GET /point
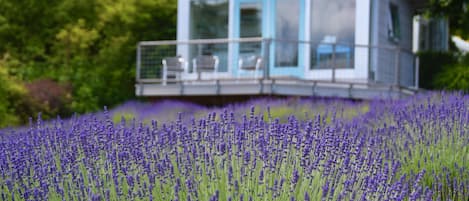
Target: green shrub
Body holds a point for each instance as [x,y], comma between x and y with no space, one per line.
[48,97]
[431,64]
[454,78]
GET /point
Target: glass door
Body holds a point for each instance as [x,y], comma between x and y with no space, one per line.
[287,52]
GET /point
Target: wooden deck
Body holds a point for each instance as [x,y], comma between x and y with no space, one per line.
[278,86]
[394,76]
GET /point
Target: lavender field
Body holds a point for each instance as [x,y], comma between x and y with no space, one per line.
[267,149]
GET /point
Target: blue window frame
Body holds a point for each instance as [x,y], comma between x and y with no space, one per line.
[287,52]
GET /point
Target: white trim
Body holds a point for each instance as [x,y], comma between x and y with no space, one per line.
[307,48]
[362,37]
[183,28]
[415,33]
[231,33]
[375,27]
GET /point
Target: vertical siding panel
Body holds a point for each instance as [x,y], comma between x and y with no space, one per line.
[386,58]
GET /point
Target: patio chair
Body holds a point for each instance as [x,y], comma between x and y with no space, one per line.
[252,64]
[205,63]
[329,46]
[173,66]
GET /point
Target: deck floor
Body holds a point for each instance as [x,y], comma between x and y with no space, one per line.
[283,86]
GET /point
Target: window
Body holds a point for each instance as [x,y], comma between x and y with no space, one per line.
[250,19]
[250,25]
[209,19]
[332,32]
[394,30]
[287,29]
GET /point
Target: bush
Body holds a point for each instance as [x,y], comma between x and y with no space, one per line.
[11,90]
[49,97]
[432,64]
[455,76]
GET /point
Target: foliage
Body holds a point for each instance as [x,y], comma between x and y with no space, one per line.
[88,45]
[409,149]
[457,13]
[444,73]
[49,97]
[454,76]
[431,64]
[20,100]
[10,90]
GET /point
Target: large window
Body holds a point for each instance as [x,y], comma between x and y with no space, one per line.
[209,19]
[287,32]
[332,33]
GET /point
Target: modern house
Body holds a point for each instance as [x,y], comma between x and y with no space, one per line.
[347,48]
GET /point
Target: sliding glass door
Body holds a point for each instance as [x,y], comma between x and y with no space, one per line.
[287,31]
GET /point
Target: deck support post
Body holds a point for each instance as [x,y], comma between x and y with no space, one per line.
[397,67]
[313,92]
[350,87]
[139,63]
[417,69]
[218,86]
[181,85]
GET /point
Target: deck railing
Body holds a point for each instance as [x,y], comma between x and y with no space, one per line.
[333,62]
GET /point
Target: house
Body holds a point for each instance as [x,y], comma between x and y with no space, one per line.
[348,48]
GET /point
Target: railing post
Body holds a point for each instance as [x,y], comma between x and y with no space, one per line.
[397,67]
[139,63]
[267,42]
[417,69]
[333,62]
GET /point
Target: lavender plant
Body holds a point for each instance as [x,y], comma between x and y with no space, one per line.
[410,149]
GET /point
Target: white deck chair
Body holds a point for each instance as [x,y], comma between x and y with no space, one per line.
[252,64]
[174,66]
[205,63]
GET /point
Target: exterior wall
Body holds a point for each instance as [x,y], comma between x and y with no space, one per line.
[384,61]
[369,64]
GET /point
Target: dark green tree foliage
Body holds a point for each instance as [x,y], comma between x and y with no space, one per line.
[456,76]
[431,64]
[87,45]
[446,72]
[457,13]
[8,90]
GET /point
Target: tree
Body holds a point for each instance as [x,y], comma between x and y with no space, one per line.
[457,13]
[454,76]
[88,45]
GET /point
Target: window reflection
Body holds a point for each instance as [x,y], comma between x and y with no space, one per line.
[250,25]
[250,19]
[209,19]
[332,31]
[287,31]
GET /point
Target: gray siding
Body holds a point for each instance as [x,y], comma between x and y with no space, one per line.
[383,60]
